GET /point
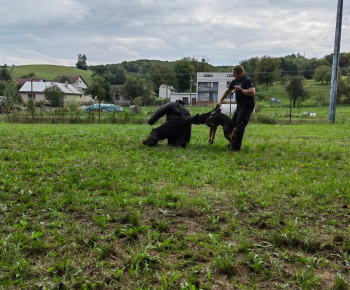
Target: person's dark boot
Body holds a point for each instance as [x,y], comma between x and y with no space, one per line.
[236,148]
[181,142]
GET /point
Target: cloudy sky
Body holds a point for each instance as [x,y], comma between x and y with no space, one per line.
[112,31]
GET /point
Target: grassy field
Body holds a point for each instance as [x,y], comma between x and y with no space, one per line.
[49,72]
[319,93]
[89,207]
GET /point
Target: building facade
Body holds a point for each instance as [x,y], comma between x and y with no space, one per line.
[165,91]
[211,86]
[36,91]
[185,97]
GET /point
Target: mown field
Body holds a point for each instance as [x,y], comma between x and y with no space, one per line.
[89,207]
[49,72]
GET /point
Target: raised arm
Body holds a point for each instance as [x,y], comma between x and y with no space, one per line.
[248,92]
[159,113]
[224,96]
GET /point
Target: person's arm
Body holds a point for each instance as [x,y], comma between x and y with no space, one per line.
[224,96]
[159,113]
[248,92]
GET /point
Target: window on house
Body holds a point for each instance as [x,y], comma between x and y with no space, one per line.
[207,75]
[30,96]
[230,75]
[207,97]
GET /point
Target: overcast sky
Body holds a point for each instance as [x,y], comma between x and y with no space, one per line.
[112,31]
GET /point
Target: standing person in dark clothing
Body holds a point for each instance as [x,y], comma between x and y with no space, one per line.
[244,88]
[177,128]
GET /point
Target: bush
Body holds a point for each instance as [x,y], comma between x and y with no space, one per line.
[39,104]
[260,97]
[159,101]
[265,119]
[73,106]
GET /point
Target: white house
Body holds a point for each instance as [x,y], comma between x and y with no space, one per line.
[36,90]
[77,81]
[165,91]
[211,85]
[183,96]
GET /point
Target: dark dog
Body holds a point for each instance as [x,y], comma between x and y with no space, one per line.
[213,119]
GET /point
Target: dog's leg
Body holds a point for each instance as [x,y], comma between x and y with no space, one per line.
[210,134]
[230,139]
[213,135]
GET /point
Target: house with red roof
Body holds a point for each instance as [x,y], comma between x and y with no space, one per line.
[77,81]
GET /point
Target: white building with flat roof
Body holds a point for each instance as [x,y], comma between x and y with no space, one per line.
[211,86]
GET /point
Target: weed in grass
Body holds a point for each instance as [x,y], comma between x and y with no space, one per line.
[307,279]
[346,246]
[244,244]
[340,283]
[104,250]
[132,218]
[311,242]
[170,281]
[162,227]
[257,264]
[193,280]
[61,267]
[143,260]
[102,221]
[133,232]
[226,264]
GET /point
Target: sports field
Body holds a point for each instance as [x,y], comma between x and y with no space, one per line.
[89,207]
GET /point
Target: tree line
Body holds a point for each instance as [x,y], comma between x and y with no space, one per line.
[135,76]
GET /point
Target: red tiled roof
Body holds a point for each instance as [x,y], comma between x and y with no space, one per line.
[72,79]
[22,81]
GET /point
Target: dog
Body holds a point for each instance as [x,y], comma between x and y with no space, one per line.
[213,119]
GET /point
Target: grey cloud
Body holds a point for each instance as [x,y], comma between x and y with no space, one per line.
[113,31]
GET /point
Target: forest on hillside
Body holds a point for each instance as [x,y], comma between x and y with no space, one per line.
[264,70]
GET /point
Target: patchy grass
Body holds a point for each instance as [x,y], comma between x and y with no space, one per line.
[88,207]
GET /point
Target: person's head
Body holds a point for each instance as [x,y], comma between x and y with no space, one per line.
[180,102]
[238,72]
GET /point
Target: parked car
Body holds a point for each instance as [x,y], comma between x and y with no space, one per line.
[105,108]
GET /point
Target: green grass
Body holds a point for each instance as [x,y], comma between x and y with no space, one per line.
[49,72]
[319,93]
[89,207]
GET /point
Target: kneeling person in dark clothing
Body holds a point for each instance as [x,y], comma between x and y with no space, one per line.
[177,128]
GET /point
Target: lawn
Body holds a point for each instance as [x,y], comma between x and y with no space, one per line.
[89,207]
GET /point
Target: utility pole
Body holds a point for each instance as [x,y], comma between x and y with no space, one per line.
[334,81]
[191,92]
[31,95]
[167,94]
[99,104]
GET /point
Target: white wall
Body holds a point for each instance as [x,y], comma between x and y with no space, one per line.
[165,91]
[214,77]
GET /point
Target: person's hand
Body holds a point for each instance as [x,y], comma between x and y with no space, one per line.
[238,88]
[218,104]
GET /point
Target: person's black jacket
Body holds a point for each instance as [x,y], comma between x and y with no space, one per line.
[175,113]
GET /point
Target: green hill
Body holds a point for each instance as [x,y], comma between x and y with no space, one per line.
[49,72]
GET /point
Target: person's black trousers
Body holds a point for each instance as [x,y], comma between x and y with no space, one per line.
[178,133]
[240,119]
